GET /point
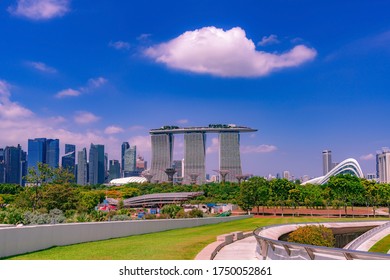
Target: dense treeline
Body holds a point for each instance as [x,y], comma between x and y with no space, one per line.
[52,195]
[343,190]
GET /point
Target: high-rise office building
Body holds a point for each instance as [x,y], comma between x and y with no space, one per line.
[23,166]
[286,175]
[13,165]
[195,155]
[36,152]
[130,159]
[162,151]
[114,170]
[229,154]
[96,164]
[68,161]
[2,166]
[52,152]
[43,150]
[326,161]
[124,147]
[82,167]
[383,166]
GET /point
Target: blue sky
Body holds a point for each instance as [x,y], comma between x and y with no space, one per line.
[309,75]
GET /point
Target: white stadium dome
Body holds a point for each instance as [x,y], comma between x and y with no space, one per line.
[127,180]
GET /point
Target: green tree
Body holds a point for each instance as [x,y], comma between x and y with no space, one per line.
[385,195]
[248,197]
[36,178]
[58,196]
[280,191]
[87,201]
[346,188]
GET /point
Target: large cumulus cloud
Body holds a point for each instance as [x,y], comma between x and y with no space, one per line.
[230,53]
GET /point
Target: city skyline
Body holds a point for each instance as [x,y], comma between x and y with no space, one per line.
[310,76]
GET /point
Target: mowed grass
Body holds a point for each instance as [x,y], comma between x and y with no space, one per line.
[382,246]
[179,244]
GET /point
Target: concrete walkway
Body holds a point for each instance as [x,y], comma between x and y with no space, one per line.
[374,239]
[244,249]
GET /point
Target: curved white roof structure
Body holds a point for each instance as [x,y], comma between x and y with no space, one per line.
[348,166]
[127,180]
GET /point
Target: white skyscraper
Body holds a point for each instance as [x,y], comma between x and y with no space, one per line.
[383,166]
[327,161]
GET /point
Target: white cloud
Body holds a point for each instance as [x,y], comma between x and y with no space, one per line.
[92,84]
[119,45]
[212,50]
[143,143]
[214,148]
[144,37]
[82,117]
[21,123]
[9,109]
[258,149]
[113,129]
[268,40]
[182,121]
[136,127]
[42,67]
[40,9]
[4,91]
[68,92]
[368,157]
[96,83]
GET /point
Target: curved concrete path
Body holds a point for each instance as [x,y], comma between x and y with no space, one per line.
[374,239]
[244,249]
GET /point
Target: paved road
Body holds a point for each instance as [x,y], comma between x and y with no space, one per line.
[244,249]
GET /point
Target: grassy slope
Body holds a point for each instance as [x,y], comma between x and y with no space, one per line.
[179,244]
[382,246]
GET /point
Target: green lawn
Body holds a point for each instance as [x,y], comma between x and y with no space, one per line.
[382,246]
[179,244]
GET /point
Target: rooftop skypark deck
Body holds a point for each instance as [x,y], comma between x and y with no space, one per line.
[212,128]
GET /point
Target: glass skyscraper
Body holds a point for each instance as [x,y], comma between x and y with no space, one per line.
[13,167]
[69,159]
[82,167]
[43,150]
[36,152]
[114,170]
[96,164]
[2,166]
[130,160]
[52,152]
[124,147]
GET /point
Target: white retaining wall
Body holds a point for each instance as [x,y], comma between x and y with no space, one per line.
[19,240]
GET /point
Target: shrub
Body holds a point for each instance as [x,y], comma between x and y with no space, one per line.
[313,235]
[195,213]
[181,214]
[120,218]
[171,210]
[35,218]
[150,216]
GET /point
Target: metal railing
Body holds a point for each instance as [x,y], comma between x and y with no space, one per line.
[269,248]
[365,236]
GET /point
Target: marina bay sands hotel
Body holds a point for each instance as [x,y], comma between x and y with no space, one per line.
[162,140]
